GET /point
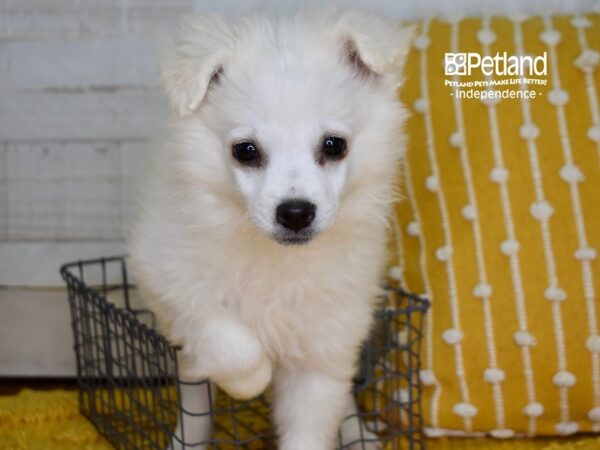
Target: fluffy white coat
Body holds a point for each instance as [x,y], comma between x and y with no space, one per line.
[247,309]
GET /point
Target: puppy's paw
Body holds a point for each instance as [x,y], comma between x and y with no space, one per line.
[228,352]
[176,445]
[370,442]
[248,384]
[366,445]
[353,430]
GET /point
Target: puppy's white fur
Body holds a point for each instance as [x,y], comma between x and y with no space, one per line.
[246,308]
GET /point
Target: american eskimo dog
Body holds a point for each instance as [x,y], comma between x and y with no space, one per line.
[260,241]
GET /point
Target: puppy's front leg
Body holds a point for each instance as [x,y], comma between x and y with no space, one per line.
[353,431]
[309,407]
[194,422]
[227,351]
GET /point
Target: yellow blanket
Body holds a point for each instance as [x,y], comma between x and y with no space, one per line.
[50,420]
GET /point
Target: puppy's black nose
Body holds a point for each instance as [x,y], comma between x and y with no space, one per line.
[295,215]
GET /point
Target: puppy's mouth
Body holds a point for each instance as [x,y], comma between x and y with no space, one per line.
[294,241]
[290,239]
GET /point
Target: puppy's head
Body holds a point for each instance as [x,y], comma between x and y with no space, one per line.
[285,117]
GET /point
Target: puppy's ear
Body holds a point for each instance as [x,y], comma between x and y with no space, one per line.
[375,45]
[194,61]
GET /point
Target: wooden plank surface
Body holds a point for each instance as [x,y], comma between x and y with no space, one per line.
[79,89]
[68,191]
[21,19]
[79,101]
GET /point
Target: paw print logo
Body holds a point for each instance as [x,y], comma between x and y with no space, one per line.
[456,63]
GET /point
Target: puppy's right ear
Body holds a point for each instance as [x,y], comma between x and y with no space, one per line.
[190,64]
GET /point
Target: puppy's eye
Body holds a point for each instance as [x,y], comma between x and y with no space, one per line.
[333,147]
[247,153]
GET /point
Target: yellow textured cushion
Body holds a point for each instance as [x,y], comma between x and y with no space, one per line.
[574,443]
[500,228]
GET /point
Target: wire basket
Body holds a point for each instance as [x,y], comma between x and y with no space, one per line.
[129,386]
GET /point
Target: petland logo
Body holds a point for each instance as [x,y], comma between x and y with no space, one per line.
[524,70]
[499,65]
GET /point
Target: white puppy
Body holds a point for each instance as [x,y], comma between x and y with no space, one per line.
[261,238]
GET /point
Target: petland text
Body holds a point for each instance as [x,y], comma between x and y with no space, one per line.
[457,64]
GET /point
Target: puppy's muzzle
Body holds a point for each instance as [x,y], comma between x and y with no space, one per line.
[295,215]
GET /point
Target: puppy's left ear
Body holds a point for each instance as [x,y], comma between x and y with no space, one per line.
[375,45]
[191,63]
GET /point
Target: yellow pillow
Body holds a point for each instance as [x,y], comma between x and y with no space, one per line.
[500,228]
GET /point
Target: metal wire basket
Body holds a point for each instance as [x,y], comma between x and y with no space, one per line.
[129,386]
